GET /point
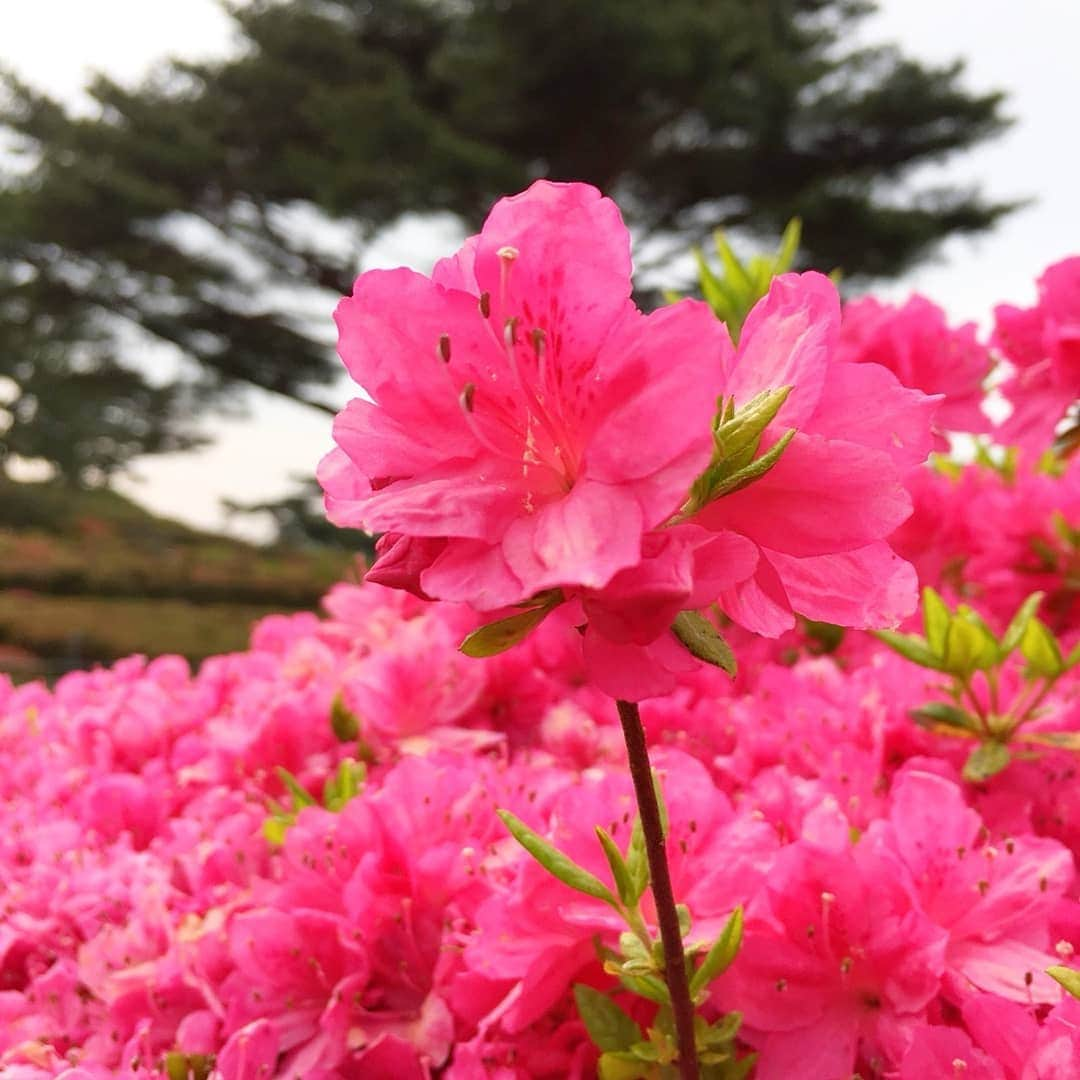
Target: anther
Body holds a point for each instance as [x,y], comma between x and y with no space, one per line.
[468,392]
[485,304]
[444,348]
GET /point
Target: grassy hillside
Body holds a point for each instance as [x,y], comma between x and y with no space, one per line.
[89,576]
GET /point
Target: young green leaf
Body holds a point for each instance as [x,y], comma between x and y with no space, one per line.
[969,647]
[1020,620]
[789,246]
[704,641]
[940,712]
[719,957]
[500,635]
[623,1065]
[637,861]
[343,721]
[660,804]
[1073,658]
[986,760]
[619,870]
[1069,978]
[608,1026]
[1041,650]
[647,986]
[935,621]
[755,470]
[555,862]
[911,647]
[301,797]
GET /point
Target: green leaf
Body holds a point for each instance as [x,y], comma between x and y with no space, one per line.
[986,760]
[502,634]
[301,797]
[608,1026]
[704,641]
[911,647]
[647,986]
[1069,978]
[936,618]
[181,1066]
[1041,650]
[733,269]
[555,862]
[344,785]
[685,919]
[275,830]
[623,1065]
[969,647]
[712,288]
[719,957]
[637,861]
[754,471]
[737,438]
[941,712]
[619,870]
[789,246]
[1073,658]
[343,721]
[1015,631]
[661,805]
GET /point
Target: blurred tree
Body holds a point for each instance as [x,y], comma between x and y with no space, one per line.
[199,209]
[299,521]
[65,398]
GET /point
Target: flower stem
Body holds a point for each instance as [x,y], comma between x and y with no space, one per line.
[660,879]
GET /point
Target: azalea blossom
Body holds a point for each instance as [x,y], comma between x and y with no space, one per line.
[527,424]
[914,341]
[530,434]
[1043,345]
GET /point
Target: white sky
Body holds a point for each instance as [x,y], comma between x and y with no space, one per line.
[1029,50]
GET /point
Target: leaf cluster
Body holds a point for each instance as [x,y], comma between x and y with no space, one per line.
[628,1053]
[959,644]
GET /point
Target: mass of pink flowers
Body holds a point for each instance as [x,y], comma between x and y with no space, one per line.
[288,863]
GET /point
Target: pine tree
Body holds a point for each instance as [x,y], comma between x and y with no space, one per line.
[195,209]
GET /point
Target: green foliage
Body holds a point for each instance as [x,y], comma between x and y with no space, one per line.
[704,641]
[1067,977]
[732,293]
[181,1066]
[88,576]
[495,637]
[960,645]
[177,212]
[339,789]
[638,964]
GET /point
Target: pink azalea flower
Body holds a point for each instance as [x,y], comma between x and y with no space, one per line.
[527,423]
[1043,345]
[821,516]
[838,964]
[919,347]
[994,899]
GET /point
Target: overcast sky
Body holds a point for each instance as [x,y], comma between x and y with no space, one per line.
[1029,50]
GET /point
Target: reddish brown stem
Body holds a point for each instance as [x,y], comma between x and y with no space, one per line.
[670,934]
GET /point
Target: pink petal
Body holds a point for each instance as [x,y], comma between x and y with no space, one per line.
[821,497]
[667,371]
[760,604]
[787,340]
[869,587]
[583,539]
[866,404]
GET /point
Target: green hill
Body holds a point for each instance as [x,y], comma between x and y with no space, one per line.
[89,576]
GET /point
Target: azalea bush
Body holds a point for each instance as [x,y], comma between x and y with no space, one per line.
[402,840]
